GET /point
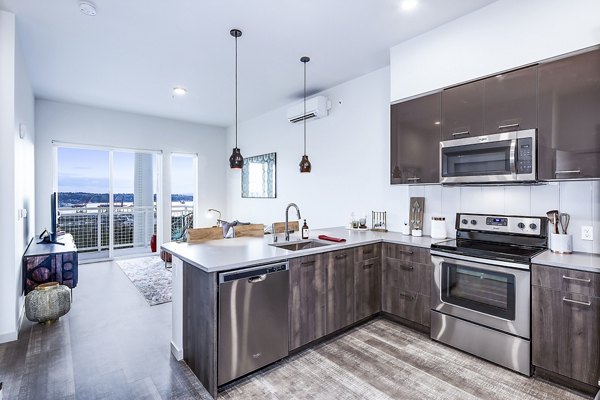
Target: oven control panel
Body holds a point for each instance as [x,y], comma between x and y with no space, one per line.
[501,223]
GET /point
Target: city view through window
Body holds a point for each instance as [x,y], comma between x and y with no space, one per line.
[85,180]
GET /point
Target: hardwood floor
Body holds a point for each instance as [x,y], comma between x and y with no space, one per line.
[112,345]
[385,361]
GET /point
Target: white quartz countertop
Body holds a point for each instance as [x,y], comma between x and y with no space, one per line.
[578,261]
[227,254]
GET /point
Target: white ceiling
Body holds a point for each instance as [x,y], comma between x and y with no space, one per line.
[130,55]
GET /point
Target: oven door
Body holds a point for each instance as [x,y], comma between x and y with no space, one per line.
[502,157]
[495,294]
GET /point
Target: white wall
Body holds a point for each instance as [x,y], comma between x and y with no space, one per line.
[94,126]
[501,36]
[24,169]
[580,199]
[7,177]
[16,174]
[348,150]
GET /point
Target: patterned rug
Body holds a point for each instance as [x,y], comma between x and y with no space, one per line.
[382,360]
[150,277]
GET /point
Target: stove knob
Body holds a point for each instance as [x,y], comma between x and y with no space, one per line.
[521,225]
[473,222]
[533,226]
[464,222]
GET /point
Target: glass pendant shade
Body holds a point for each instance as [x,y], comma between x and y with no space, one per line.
[236,161]
[305,164]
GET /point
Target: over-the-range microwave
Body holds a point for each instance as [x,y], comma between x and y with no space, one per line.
[503,157]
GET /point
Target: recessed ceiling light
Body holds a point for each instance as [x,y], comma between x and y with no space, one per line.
[408,5]
[437,123]
[179,91]
[87,8]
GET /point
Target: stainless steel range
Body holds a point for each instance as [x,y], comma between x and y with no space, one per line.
[481,298]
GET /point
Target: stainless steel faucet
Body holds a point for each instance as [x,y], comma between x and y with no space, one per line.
[287,232]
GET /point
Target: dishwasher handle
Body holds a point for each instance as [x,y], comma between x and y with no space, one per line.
[256,279]
[253,274]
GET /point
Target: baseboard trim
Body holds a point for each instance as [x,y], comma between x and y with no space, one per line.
[177,352]
[9,337]
[565,382]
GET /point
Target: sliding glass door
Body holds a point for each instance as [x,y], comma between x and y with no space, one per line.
[183,192]
[107,200]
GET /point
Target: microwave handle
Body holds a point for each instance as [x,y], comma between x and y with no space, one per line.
[513,156]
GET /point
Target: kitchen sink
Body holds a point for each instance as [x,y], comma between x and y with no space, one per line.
[301,244]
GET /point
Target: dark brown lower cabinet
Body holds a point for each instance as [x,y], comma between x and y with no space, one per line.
[307,300]
[340,289]
[565,332]
[406,283]
[367,287]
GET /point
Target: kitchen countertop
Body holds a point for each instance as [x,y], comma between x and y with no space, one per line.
[577,261]
[227,254]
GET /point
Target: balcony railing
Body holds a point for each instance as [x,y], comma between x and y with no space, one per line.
[89,225]
[182,218]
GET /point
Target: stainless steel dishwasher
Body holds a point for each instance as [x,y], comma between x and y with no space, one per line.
[253,319]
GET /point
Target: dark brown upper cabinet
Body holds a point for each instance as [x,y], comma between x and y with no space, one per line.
[415,137]
[569,117]
[462,111]
[501,103]
[510,101]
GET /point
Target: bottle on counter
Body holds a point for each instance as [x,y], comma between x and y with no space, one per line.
[304,230]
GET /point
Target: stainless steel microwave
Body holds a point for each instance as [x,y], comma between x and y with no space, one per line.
[502,157]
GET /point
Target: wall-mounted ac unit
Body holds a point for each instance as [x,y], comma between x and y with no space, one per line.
[316,107]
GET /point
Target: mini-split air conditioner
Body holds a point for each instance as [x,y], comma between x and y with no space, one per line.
[316,107]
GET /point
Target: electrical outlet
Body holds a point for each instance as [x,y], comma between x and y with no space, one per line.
[587,233]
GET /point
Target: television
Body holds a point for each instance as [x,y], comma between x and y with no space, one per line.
[53,217]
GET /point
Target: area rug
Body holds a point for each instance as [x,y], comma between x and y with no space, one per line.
[150,277]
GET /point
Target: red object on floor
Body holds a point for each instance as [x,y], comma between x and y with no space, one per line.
[153,244]
[331,239]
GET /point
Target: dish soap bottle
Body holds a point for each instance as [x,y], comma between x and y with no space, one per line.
[304,230]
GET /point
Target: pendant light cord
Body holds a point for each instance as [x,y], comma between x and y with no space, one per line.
[236,92]
[304,108]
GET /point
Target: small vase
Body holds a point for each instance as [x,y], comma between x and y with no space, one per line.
[47,303]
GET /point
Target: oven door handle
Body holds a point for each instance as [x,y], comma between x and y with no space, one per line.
[480,261]
[438,261]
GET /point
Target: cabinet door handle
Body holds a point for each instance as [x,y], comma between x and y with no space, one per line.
[307,263]
[407,267]
[405,252]
[583,303]
[340,256]
[508,126]
[569,278]
[461,133]
[368,266]
[568,171]
[407,296]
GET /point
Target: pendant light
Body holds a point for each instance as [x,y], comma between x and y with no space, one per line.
[304,163]
[236,161]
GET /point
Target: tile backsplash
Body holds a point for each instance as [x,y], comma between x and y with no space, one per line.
[580,199]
